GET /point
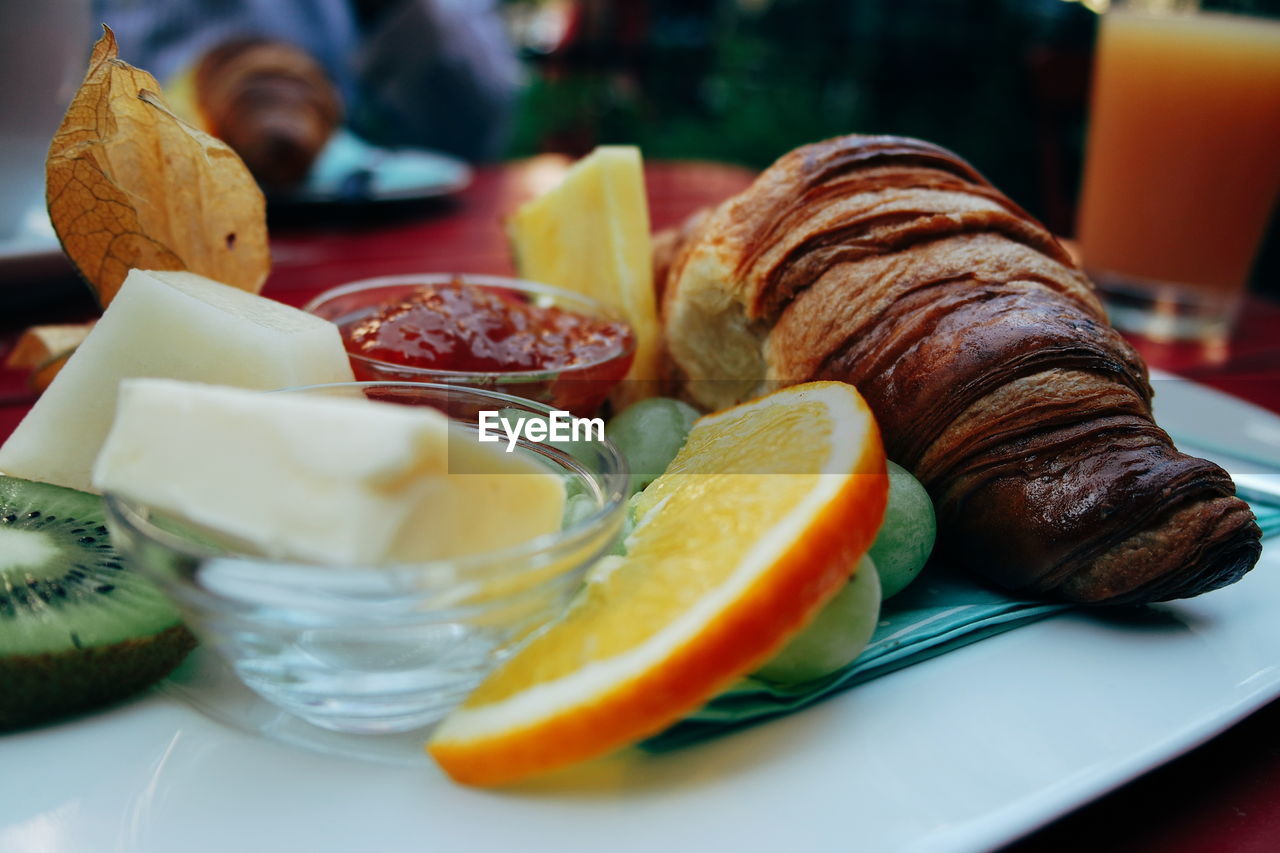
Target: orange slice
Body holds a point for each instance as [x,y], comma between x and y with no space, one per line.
[753,528]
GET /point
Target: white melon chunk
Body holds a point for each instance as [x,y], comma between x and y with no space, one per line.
[167,324]
[322,479]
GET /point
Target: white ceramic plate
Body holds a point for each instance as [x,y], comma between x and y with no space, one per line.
[962,752]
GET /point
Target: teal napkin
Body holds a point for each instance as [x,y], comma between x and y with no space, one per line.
[1268,518]
[939,612]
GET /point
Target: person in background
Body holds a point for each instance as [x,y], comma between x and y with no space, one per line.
[435,74]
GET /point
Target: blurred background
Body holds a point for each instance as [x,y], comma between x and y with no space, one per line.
[1004,83]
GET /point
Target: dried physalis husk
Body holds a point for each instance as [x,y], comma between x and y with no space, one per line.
[132,186]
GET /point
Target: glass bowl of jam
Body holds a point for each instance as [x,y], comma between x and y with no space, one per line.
[519,337]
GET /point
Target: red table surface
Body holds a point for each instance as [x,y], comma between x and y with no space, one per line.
[1223,796]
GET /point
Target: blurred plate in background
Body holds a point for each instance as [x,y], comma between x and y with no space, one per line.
[32,251]
[350,171]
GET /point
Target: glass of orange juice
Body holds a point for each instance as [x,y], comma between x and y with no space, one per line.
[1183,163]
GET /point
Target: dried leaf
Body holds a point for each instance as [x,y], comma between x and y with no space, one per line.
[132,186]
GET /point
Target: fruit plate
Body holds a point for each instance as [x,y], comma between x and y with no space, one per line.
[961,752]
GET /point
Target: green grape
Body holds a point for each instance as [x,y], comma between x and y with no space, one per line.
[835,637]
[577,506]
[619,548]
[906,536]
[650,433]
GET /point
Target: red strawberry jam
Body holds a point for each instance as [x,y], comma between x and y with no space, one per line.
[462,328]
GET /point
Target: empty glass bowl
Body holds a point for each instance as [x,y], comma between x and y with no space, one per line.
[579,388]
[364,649]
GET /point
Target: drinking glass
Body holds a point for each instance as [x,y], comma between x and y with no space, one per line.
[1181,169]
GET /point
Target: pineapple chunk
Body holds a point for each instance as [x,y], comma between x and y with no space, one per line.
[40,344]
[43,350]
[590,234]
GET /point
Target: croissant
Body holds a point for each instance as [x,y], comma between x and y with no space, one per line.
[271,102]
[891,264]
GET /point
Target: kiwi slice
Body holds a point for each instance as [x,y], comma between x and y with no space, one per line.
[78,627]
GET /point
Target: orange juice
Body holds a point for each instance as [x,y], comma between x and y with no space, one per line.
[1183,160]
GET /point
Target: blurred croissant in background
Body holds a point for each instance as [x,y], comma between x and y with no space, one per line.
[271,101]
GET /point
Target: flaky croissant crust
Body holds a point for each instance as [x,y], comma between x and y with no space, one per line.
[891,264]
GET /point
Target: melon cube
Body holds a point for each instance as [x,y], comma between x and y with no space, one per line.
[175,325]
[323,479]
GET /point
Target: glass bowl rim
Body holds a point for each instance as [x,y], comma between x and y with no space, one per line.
[483,565]
[598,311]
